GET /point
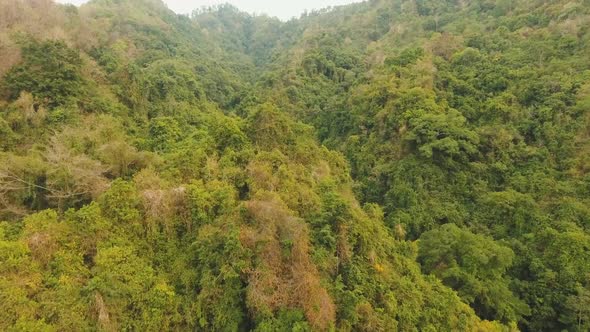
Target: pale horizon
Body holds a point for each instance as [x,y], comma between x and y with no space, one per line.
[284,10]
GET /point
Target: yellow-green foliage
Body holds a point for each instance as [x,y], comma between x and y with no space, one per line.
[389,165]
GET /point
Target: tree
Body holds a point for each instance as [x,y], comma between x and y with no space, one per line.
[50,70]
[269,128]
[164,132]
[442,136]
[476,267]
[579,307]
[125,288]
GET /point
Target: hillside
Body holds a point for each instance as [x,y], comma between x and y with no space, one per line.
[391,165]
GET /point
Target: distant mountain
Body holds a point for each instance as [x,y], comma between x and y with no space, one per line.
[390,165]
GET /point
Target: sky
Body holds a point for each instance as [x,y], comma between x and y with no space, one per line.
[283,9]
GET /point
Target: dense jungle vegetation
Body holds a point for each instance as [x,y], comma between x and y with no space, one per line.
[391,165]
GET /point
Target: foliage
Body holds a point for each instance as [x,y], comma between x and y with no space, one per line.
[476,267]
[388,165]
[50,70]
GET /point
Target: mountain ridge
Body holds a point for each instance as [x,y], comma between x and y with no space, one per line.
[386,165]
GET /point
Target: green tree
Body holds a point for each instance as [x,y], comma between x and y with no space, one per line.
[50,70]
[476,267]
[441,136]
[164,132]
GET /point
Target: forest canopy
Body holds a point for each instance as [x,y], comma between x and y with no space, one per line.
[389,165]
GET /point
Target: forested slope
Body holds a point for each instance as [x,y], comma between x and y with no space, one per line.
[411,165]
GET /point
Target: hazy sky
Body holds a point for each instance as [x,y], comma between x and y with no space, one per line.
[283,9]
